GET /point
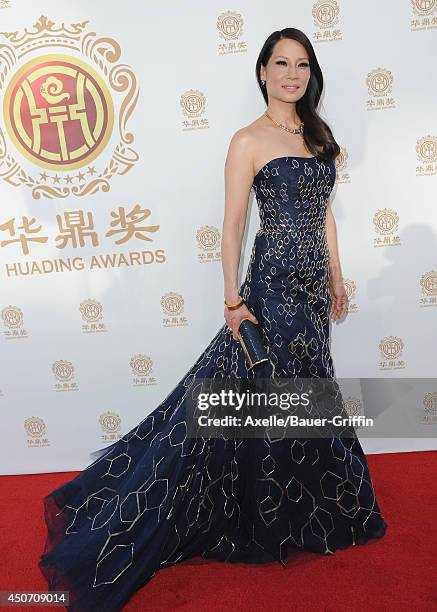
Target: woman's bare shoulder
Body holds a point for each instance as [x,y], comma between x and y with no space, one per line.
[246,138]
[252,130]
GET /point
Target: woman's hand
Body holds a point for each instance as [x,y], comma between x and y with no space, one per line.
[339,299]
[234,317]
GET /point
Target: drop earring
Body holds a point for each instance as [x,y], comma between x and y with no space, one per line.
[262,82]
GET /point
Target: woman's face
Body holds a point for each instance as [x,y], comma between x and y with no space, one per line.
[287,72]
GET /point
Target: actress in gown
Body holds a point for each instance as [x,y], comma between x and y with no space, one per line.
[158,496]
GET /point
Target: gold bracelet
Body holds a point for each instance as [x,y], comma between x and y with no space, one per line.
[234,306]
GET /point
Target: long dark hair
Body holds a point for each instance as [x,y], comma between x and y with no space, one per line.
[316,133]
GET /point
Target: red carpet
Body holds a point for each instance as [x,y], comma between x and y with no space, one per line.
[395,573]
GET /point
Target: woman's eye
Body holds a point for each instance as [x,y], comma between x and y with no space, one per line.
[304,64]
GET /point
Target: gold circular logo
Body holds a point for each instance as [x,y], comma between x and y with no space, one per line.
[141,364]
[208,237]
[430,402]
[325,13]
[110,422]
[428,282]
[424,7]
[341,159]
[350,287]
[427,149]
[63,370]
[352,406]
[193,103]
[91,310]
[58,112]
[230,25]
[391,347]
[34,426]
[12,316]
[379,82]
[386,221]
[172,303]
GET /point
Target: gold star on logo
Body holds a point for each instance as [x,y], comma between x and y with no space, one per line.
[81,176]
[44,176]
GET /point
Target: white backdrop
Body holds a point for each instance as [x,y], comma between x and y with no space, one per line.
[135,210]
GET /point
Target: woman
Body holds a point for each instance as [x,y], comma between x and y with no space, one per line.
[285,79]
[158,496]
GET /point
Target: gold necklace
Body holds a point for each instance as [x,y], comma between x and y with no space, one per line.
[298,130]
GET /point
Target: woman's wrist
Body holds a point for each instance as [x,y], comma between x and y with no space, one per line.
[232,296]
[337,278]
[335,273]
[234,305]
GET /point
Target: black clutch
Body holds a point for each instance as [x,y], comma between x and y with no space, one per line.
[252,343]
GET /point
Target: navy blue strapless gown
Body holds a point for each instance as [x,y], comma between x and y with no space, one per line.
[156,496]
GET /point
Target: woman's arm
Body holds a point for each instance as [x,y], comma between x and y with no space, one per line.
[336,286]
[238,182]
[331,238]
